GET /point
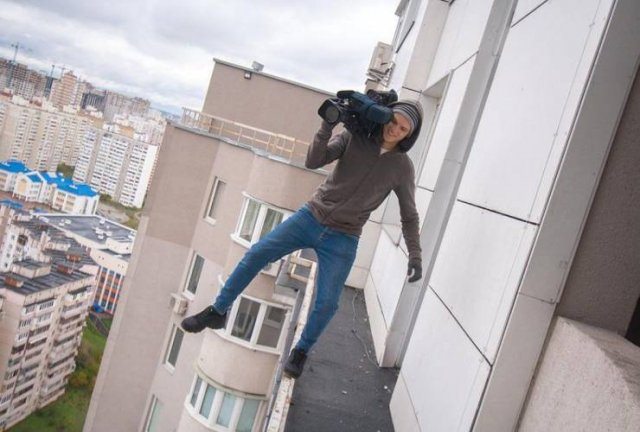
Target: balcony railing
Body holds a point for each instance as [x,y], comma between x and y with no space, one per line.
[289,149]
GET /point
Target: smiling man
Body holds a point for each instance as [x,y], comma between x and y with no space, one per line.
[367,170]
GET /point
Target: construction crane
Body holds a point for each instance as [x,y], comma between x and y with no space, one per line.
[16,48]
[62,68]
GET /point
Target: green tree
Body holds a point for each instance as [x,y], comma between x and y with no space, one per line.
[66,170]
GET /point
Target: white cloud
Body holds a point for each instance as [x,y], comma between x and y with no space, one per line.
[163,50]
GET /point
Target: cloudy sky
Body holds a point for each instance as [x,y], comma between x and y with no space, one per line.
[163,49]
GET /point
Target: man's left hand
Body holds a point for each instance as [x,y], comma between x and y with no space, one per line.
[414,271]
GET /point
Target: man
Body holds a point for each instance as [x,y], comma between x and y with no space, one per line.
[368,169]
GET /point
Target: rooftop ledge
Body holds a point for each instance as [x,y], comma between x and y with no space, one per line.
[279,147]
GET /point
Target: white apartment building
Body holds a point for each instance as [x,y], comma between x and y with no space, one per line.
[525,184]
[39,135]
[117,165]
[45,304]
[148,128]
[109,244]
[45,187]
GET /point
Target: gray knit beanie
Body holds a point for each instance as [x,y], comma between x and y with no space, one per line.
[410,110]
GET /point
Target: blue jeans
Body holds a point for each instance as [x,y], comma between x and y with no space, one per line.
[336,252]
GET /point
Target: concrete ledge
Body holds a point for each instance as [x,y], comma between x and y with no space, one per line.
[588,380]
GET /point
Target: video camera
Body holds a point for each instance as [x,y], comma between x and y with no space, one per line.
[360,113]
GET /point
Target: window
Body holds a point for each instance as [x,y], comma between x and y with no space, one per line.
[214,199]
[173,349]
[194,274]
[245,319]
[217,408]
[153,415]
[249,220]
[407,11]
[226,409]
[256,322]
[195,392]
[257,220]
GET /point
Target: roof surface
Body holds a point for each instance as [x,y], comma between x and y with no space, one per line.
[13,166]
[342,387]
[85,226]
[49,281]
[68,185]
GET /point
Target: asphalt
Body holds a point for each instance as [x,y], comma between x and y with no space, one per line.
[342,388]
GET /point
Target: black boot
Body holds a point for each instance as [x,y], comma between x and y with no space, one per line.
[208,317]
[295,363]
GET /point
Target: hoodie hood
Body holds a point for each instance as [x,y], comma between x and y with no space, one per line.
[406,144]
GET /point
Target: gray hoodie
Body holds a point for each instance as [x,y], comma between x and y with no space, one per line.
[361,180]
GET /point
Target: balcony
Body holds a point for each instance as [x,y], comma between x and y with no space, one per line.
[57,355]
[47,399]
[73,299]
[39,336]
[286,148]
[70,311]
[69,330]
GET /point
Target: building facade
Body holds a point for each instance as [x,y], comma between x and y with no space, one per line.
[119,104]
[39,135]
[523,106]
[49,188]
[526,174]
[46,295]
[109,245]
[116,164]
[18,79]
[207,206]
[64,91]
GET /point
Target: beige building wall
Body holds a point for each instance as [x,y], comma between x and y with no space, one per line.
[173,229]
[263,101]
[41,137]
[37,357]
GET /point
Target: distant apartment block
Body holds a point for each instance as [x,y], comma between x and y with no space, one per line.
[64,91]
[46,295]
[115,164]
[21,81]
[94,98]
[109,245]
[149,128]
[40,135]
[119,104]
[57,191]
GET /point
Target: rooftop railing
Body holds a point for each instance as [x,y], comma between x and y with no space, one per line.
[290,149]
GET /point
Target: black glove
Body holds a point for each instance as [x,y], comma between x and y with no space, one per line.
[414,271]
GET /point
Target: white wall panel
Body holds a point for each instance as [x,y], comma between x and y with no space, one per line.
[524,7]
[461,36]
[404,55]
[527,117]
[478,270]
[388,271]
[444,126]
[443,371]
[423,198]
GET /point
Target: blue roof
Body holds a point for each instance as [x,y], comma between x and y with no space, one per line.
[68,185]
[11,203]
[35,178]
[14,166]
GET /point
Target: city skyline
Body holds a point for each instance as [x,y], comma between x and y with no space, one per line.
[125,49]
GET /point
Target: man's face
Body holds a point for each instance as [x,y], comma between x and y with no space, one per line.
[396,130]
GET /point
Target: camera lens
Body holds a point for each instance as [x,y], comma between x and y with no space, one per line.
[331,114]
